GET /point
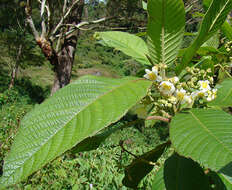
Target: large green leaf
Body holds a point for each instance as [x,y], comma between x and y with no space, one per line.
[138,169]
[74,113]
[129,44]
[165,29]
[212,21]
[224,94]
[205,135]
[180,173]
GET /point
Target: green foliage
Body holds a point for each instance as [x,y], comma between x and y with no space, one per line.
[56,128]
[180,173]
[211,23]
[204,136]
[13,107]
[224,94]
[165,29]
[129,44]
[141,166]
[226,177]
[81,116]
[227,30]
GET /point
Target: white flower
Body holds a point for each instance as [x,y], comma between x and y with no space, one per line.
[153,74]
[174,80]
[188,99]
[180,95]
[166,88]
[199,94]
[194,94]
[204,85]
[212,95]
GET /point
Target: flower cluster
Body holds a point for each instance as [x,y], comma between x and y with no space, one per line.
[180,93]
[228,46]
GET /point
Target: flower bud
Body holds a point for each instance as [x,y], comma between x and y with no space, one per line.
[169,105]
[188,69]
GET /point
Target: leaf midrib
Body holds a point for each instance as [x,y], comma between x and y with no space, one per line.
[230,91]
[94,100]
[215,20]
[226,178]
[163,33]
[207,130]
[131,49]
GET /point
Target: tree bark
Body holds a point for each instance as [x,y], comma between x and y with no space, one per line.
[15,67]
[63,61]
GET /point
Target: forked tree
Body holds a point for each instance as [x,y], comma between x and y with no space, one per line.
[57,36]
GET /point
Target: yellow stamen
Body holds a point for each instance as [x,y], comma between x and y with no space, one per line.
[201,94]
[180,95]
[166,87]
[152,76]
[204,85]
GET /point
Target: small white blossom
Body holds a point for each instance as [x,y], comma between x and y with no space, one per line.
[212,95]
[174,80]
[199,94]
[180,95]
[188,99]
[204,85]
[167,88]
[153,74]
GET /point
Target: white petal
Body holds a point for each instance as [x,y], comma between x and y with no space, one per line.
[148,71]
[146,76]
[155,70]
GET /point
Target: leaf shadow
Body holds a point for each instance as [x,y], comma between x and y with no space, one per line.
[227,169]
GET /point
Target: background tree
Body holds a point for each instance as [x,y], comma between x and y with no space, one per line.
[56,37]
[16,44]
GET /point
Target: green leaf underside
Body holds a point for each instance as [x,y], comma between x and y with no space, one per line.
[212,21]
[180,173]
[165,29]
[74,113]
[204,136]
[129,44]
[224,94]
[138,169]
[212,42]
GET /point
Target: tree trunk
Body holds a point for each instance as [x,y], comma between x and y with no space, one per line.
[15,67]
[63,62]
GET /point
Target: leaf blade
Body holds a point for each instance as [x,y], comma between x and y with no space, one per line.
[129,44]
[180,173]
[224,94]
[138,169]
[165,29]
[203,135]
[68,117]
